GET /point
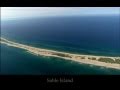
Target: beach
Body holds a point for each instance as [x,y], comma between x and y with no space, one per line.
[86,59]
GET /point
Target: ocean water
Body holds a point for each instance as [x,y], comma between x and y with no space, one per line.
[99,35]
[15,61]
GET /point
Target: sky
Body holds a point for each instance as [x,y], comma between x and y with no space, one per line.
[29,12]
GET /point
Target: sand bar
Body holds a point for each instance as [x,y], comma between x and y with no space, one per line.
[105,61]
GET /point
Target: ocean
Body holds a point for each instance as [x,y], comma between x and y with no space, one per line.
[92,35]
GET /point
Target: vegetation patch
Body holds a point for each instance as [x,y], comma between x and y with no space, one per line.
[107,60]
[89,58]
[93,58]
[82,57]
[62,55]
[117,61]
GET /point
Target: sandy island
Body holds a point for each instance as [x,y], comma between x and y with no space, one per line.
[105,61]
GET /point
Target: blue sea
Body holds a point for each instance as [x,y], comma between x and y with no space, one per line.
[93,35]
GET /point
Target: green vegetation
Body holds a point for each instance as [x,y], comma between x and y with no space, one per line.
[93,58]
[107,60]
[62,55]
[82,57]
[117,61]
[89,58]
[66,55]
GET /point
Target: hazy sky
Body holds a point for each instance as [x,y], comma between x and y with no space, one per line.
[26,12]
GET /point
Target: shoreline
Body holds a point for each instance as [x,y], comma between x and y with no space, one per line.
[86,59]
[65,51]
